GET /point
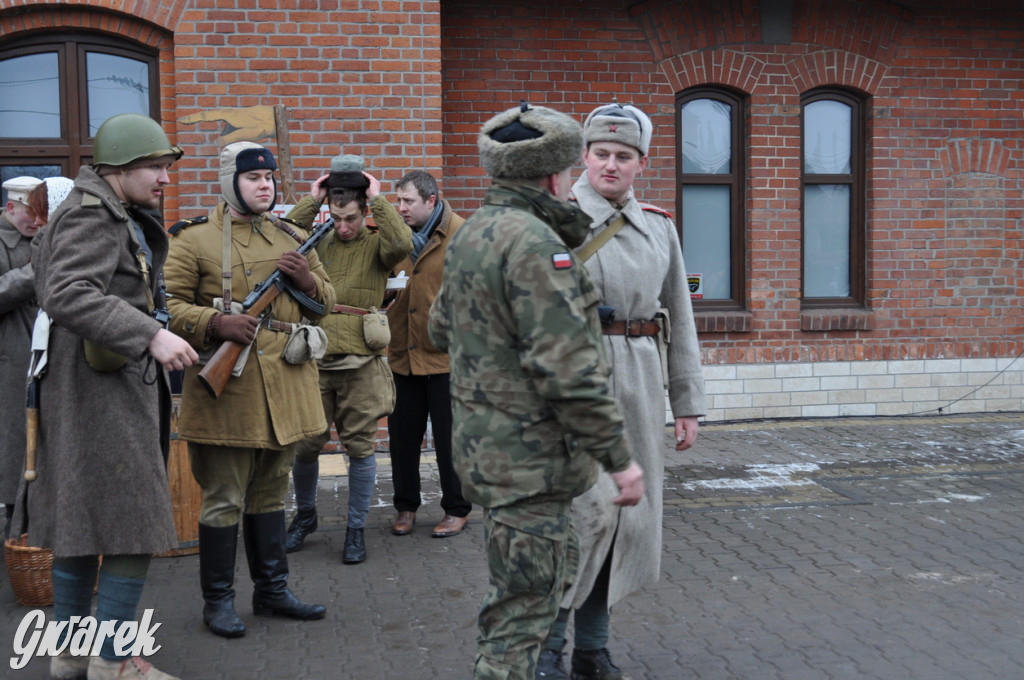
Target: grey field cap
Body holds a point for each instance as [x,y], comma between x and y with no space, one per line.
[347,172]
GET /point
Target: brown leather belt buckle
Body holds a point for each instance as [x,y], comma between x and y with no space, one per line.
[279,326]
[633,328]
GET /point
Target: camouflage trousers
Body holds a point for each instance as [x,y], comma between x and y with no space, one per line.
[532,555]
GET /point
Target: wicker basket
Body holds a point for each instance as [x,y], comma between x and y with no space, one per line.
[30,572]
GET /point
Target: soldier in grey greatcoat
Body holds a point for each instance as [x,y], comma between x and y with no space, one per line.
[639,273]
[17,313]
[104,406]
[533,413]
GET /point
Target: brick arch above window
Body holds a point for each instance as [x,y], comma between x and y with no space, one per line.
[721,67]
[962,156]
[836,68]
[143,28]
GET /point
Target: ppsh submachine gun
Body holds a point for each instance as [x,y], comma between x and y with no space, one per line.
[215,374]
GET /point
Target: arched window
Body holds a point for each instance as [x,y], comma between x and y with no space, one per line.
[833,195]
[710,196]
[57,89]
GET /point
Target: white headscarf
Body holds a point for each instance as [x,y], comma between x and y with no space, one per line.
[57,189]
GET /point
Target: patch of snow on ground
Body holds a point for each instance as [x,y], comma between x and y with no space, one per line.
[760,477]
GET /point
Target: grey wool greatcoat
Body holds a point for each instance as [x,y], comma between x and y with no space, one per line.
[638,272]
[17,314]
[104,436]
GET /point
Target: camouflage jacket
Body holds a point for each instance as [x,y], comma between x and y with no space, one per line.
[532,411]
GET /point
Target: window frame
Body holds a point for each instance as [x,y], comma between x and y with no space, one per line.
[856,180]
[735,180]
[74,147]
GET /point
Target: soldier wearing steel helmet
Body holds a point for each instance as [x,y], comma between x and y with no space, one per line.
[533,413]
[104,406]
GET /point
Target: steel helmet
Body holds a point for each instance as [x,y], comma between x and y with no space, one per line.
[129,137]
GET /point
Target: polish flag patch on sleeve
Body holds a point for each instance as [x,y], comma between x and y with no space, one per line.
[562,260]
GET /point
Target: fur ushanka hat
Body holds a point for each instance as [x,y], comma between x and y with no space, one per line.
[527,142]
[238,158]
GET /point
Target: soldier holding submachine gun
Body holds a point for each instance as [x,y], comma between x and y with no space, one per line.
[238,441]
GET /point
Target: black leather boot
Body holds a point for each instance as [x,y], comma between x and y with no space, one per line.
[594,664]
[217,546]
[268,566]
[549,666]
[355,547]
[303,524]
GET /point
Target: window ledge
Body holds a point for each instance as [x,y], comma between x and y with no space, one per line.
[836,320]
[722,322]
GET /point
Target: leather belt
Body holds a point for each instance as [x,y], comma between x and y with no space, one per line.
[634,328]
[328,358]
[275,325]
[345,309]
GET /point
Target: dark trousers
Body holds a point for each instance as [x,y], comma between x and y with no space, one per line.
[417,397]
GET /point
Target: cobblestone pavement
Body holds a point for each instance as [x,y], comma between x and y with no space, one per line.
[840,549]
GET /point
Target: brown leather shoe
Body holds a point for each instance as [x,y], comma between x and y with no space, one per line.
[404,523]
[450,526]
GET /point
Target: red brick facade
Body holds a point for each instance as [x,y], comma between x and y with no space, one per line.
[944,175]
[408,84]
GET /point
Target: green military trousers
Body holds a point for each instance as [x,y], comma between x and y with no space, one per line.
[236,479]
[354,399]
[532,556]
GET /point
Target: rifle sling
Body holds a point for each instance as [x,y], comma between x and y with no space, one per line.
[603,237]
[225,226]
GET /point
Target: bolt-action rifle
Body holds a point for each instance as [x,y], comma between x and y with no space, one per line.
[217,371]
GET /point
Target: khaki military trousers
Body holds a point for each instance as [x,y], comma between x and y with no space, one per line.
[236,480]
[354,399]
[532,556]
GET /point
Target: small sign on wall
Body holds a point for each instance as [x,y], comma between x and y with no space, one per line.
[322,216]
[696,283]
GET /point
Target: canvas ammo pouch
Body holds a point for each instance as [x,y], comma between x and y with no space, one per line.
[376,331]
[305,343]
[102,360]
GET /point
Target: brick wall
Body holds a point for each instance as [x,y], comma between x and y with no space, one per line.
[408,84]
[944,153]
[355,77]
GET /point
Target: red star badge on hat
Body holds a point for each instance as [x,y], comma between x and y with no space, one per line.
[613,128]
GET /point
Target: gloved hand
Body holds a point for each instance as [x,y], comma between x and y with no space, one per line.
[296,266]
[240,328]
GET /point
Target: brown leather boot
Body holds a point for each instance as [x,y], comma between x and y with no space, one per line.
[404,523]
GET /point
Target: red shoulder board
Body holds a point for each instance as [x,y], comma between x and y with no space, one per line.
[647,207]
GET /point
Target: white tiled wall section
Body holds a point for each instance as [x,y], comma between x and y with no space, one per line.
[864,388]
